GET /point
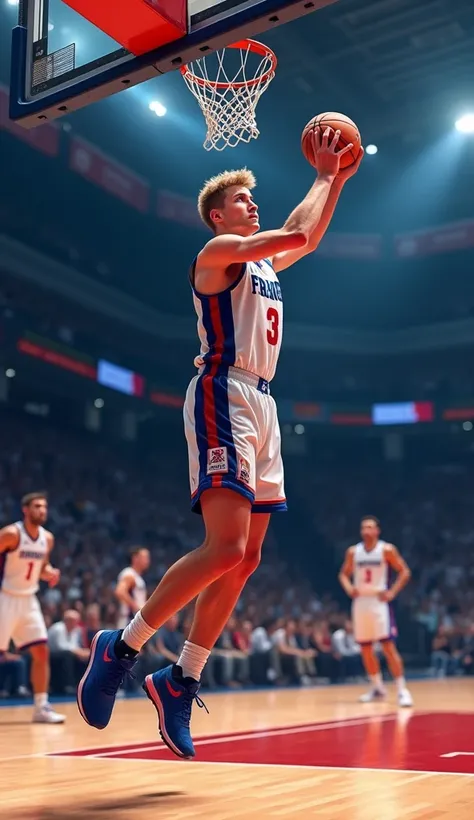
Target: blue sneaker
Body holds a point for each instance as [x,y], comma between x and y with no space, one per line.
[172,696]
[102,679]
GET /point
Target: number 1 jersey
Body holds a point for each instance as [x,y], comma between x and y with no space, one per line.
[242,326]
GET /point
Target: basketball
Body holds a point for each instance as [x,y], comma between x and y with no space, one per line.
[335,121]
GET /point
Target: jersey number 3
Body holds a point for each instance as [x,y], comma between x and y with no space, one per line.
[368,576]
[274,330]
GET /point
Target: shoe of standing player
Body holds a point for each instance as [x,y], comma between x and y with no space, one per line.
[102,679]
[172,695]
[46,714]
[373,695]
[405,699]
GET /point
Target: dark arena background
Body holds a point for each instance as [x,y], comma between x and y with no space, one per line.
[375,392]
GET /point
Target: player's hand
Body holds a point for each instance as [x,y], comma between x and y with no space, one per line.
[355,593]
[346,173]
[385,596]
[51,575]
[326,156]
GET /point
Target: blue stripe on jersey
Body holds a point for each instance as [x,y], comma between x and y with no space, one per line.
[224,306]
[224,427]
[200,428]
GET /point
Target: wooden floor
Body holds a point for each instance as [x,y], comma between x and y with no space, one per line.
[280,754]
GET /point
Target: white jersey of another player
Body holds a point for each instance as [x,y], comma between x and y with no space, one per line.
[22,566]
[371,569]
[242,326]
[136,589]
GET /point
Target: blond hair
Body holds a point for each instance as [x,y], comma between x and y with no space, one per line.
[212,193]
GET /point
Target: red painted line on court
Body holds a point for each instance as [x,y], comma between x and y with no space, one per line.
[404,741]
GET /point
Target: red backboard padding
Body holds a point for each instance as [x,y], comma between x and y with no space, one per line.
[138,25]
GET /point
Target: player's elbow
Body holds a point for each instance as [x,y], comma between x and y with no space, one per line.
[296,239]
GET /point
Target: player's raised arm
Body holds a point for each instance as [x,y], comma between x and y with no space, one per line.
[346,574]
[393,557]
[9,538]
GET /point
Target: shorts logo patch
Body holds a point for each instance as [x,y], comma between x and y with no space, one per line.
[244,471]
[217,461]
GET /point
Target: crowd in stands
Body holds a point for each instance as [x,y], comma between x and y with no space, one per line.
[105,499]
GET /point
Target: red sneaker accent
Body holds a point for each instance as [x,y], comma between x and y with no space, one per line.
[172,691]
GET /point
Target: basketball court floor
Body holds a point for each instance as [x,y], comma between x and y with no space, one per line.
[272,754]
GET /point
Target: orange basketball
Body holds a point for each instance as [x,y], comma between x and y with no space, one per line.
[335,121]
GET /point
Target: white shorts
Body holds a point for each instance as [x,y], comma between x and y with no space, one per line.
[21,621]
[234,441]
[373,621]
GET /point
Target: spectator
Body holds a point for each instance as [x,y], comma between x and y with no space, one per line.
[233,663]
[347,651]
[68,657]
[296,664]
[13,675]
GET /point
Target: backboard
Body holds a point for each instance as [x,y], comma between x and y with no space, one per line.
[61,62]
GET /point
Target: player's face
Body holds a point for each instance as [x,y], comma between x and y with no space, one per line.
[144,560]
[240,213]
[369,531]
[37,511]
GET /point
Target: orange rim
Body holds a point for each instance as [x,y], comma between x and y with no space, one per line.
[244,45]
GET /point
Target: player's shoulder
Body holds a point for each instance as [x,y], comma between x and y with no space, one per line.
[10,534]
[127,573]
[389,548]
[49,535]
[351,551]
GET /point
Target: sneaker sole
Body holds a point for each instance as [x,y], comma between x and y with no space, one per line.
[83,680]
[152,694]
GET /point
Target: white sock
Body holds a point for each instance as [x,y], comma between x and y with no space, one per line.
[192,660]
[377,682]
[137,632]
[41,699]
[401,684]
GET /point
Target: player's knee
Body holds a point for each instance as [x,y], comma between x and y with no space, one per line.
[229,550]
[250,562]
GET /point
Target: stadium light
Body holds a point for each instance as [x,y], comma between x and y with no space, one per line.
[371,149]
[99,403]
[10,373]
[157,108]
[465,124]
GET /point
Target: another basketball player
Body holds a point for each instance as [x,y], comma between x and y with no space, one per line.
[131,588]
[364,576]
[25,549]
[232,432]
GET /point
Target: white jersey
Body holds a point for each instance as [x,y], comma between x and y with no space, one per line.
[242,326]
[370,569]
[137,592]
[20,568]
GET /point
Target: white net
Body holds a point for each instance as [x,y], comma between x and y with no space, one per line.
[228,85]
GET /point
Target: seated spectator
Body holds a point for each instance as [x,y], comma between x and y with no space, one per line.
[441,655]
[92,624]
[68,656]
[321,641]
[347,651]
[264,658]
[232,664]
[296,664]
[13,675]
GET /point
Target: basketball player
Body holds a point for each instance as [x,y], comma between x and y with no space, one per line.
[368,564]
[25,549]
[232,432]
[131,588]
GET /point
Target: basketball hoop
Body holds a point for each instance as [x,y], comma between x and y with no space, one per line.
[228,94]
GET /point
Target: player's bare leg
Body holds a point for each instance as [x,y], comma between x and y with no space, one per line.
[43,713]
[215,604]
[227,519]
[372,667]
[395,665]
